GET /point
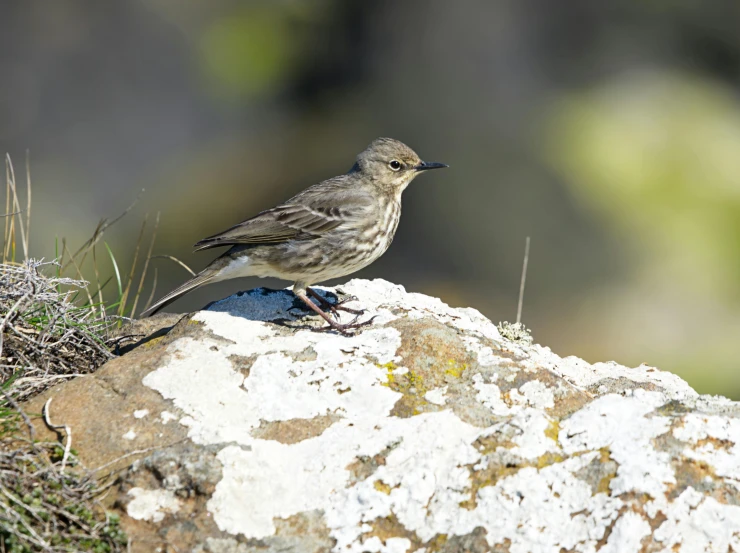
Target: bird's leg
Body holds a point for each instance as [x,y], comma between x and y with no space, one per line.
[341,328]
[334,307]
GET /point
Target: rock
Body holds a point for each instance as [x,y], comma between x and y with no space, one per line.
[426,431]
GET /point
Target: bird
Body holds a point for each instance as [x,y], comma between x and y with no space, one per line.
[329,230]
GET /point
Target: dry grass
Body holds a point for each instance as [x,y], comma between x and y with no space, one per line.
[55,325]
[44,336]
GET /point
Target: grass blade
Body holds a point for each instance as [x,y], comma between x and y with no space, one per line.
[146,266]
[115,267]
[130,279]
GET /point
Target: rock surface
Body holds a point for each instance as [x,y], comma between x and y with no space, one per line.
[426,431]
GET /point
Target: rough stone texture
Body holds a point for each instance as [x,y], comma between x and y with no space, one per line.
[425,432]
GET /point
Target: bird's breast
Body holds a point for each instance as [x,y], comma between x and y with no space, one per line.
[376,236]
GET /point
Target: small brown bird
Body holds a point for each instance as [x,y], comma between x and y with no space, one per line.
[329,230]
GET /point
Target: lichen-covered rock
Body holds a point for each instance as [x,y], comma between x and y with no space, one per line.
[426,431]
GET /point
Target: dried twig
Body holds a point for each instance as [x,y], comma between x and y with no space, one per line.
[16,205]
[522,283]
[136,452]
[67,431]
[28,200]
[173,258]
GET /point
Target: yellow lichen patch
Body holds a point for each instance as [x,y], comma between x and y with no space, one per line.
[455,369]
[488,476]
[553,430]
[382,487]
[153,342]
[388,527]
[436,543]
[411,384]
[604,482]
[715,443]
[390,367]
[433,350]
[493,473]
[548,459]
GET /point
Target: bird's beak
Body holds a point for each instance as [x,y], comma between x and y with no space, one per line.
[424,166]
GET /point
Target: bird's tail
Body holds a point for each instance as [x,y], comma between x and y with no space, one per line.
[192,284]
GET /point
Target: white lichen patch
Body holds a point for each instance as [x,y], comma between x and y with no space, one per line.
[378,295]
[151,505]
[490,395]
[547,510]
[486,356]
[534,394]
[440,471]
[391,545]
[141,413]
[166,416]
[583,375]
[437,395]
[698,523]
[721,443]
[627,534]
[425,488]
[529,434]
[626,427]
[130,435]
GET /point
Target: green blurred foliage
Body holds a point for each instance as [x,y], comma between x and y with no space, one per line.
[251,52]
[658,156]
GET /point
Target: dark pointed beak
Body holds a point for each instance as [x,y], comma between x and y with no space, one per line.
[424,166]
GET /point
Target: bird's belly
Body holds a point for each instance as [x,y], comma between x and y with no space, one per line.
[315,261]
[335,254]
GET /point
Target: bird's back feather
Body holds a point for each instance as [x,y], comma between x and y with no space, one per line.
[306,215]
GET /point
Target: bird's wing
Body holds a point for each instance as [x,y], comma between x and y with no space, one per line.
[313,212]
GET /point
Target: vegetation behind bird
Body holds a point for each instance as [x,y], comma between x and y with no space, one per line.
[55,325]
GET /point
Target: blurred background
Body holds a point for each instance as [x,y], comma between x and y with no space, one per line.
[608,132]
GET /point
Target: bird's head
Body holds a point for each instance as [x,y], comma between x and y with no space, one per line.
[391,164]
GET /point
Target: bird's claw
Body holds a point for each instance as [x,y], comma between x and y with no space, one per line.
[340,306]
[334,308]
[346,329]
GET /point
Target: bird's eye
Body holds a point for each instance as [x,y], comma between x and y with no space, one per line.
[395,165]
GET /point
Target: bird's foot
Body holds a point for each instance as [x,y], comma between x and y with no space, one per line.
[346,329]
[334,308]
